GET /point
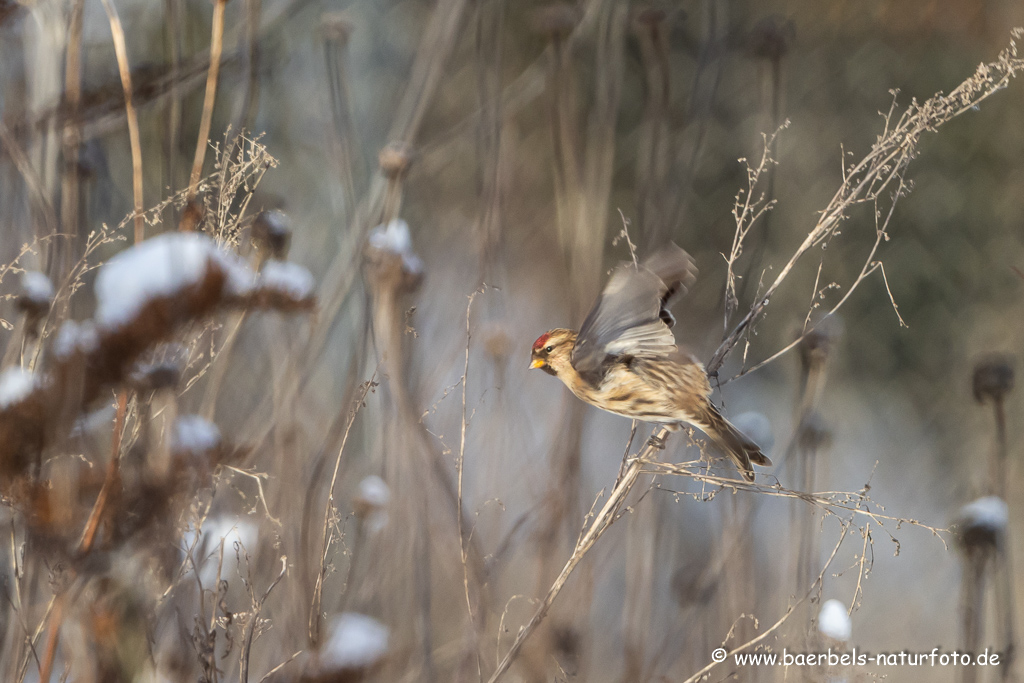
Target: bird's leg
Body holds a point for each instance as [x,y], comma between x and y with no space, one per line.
[656,442]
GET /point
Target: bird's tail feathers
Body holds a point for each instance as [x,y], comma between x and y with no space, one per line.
[735,443]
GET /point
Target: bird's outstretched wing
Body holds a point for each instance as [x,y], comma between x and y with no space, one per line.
[631,317]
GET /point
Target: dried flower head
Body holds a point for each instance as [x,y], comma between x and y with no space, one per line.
[391,259]
[993,377]
[271,235]
[556,21]
[149,377]
[814,432]
[336,26]
[815,347]
[192,217]
[772,37]
[651,17]
[981,524]
[395,159]
[34,299]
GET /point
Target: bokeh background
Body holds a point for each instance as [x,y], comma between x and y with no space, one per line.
[514,140]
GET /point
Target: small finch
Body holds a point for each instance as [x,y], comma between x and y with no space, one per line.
[625,360]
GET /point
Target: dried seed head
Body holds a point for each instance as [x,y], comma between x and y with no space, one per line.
[816,344]
[497,344]
[692,584]
[192,217]
[772,37]
[993,377]
[272,235]
[556,21]
[981,524]
[92,161]
[650,17]
[814,432]
[568,646]
[336,26]
[391,259]
[34,299]
[156,376]
[373,497]
[395,159]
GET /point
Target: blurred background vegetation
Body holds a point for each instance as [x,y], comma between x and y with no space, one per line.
[514,139]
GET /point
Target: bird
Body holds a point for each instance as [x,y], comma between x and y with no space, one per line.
[624,358]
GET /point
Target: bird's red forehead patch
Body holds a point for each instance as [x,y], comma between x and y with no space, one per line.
[541,341]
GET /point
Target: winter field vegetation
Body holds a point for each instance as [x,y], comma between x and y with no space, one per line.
[269,275]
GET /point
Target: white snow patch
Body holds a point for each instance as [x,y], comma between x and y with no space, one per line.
[160,267]
[394,237]
[989,513]
[36,287]
[193,434]
[73,337]
[206,547]
[355,641]
[834,622]
[290,279]
[374,492]
[15,384]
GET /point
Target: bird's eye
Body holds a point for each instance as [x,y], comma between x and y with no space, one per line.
[549,349]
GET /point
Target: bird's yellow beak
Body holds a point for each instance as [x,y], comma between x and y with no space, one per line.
[537,363]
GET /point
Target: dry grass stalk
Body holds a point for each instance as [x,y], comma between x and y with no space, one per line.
[121,51]
[71,142]
[216,50]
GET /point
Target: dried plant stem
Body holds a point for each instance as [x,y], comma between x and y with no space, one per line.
[216,50]
[172,22]
[700,675]
[52,639]
[601,522]
[219,369]
[327,534]
[1001,565]
[867,180]
[463,544]
[121,51]
[72,139]
[998,464]
[976,563]
[438,40]
[870,266]
[36,191]
[93,523]
[88,537]
[250,627]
